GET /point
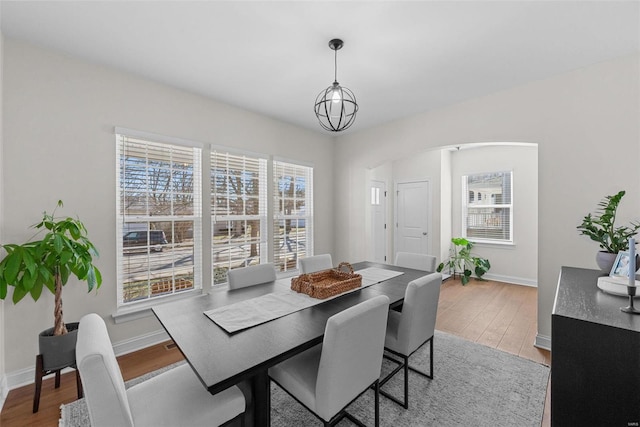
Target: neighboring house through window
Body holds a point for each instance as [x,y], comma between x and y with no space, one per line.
[487,207]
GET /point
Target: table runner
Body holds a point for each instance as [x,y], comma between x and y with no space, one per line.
[255,311]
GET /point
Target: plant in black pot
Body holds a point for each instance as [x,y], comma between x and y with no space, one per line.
[31,267]
[600,227]
[462,262]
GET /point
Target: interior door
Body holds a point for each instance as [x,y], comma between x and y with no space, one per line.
[412,217]
[378,220]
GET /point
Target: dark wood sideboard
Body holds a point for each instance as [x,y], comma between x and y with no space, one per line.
[595,359]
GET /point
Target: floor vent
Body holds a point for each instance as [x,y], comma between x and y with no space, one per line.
[170,346]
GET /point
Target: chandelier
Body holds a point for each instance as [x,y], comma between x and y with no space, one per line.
[336,105]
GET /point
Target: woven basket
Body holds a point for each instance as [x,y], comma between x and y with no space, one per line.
[327,283]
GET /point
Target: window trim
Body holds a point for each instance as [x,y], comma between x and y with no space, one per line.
[129,309]
[154,137]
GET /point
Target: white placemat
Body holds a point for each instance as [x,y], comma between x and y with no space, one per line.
[255,311]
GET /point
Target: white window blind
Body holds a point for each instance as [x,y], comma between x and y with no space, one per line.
[238,212]
[487,207]
[159,212]
[293,214]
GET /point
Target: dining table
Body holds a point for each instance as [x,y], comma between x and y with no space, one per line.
[221,359]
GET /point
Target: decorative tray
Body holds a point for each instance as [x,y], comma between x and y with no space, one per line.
[327,283]
[615,285]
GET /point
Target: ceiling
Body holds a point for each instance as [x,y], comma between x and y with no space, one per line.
[272,57]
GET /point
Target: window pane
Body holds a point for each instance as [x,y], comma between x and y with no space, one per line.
[490,188]
[489,223]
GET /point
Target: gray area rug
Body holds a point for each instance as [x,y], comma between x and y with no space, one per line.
[473,385]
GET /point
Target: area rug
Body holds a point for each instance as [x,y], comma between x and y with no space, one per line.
[473,385]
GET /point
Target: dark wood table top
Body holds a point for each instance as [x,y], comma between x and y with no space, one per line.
[221,359]
[578,297]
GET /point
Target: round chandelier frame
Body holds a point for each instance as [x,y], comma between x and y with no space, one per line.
[336,106]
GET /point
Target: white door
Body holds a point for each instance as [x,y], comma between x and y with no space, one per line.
[378,220]
[412,217]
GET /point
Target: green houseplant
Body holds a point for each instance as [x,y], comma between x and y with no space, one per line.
[462,262]
[64,250]
[600,227]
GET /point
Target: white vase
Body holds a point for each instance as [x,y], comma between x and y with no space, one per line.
[605,260]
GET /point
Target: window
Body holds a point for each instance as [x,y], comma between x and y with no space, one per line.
[238,212]
[375,196]
[487,208]
[159,210]
[293,214]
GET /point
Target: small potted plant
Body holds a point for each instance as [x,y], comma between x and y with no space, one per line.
[29,268]
[600,227]
[461,261]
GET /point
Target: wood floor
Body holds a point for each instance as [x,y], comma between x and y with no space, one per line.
[495,314]
[491,313]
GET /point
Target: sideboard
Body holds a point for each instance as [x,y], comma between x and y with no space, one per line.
[595,358]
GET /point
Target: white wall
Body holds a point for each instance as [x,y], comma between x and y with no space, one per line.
[59,115]
[445,204]
[586,124]
[517,263]
[3,378]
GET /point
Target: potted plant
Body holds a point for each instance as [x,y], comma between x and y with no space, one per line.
[462,262]
[29,268]
[600,227]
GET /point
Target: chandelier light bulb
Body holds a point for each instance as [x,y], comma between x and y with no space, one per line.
[336,94]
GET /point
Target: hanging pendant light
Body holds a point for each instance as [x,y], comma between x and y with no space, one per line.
[336,106]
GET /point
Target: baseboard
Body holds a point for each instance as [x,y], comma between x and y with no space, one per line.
[543,341]
[4,390]
[26,376]
[511,279]
[140,342]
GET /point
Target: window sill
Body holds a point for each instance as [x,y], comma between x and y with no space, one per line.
[492,244]
[143,309]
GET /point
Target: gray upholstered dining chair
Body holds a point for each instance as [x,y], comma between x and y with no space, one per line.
[172,398]
[315,263]
[416,261]
[410,329]
[328,377]
[251,275]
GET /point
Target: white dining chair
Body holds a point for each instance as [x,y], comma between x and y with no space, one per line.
[410,329]
[173,398]
[328,377]
[315,263]
[416,261]
[251,275]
